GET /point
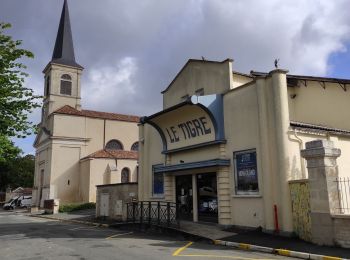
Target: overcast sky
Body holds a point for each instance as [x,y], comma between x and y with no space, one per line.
[132,49]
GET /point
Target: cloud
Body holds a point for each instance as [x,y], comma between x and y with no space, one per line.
[106,86]
[131,49]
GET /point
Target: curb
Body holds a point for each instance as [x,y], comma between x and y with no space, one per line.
[73,221]
[282,252]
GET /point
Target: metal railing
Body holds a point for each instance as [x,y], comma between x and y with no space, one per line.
[153,213]
[343,184]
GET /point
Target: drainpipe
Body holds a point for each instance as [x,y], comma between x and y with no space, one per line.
[277,227]
[301,147]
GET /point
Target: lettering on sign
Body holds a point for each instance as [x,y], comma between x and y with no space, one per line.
[188,130]
[246,172]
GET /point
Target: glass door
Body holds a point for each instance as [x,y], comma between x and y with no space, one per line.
[184,196]
[207,197]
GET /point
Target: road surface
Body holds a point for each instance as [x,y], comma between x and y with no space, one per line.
[24,237]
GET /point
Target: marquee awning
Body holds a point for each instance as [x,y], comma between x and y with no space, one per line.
[191,165]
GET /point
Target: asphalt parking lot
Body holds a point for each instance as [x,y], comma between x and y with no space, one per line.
[25,237]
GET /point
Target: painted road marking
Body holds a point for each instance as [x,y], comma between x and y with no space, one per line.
[76,228]
[117,235]
[179,250]
[283,252]
[85,228]
[226,256]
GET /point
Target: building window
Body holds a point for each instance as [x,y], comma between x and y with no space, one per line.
[246,174]
[114,145]
[41,178]
[158,184]
[135,146]
[125,175]
[47,89]
[66,85]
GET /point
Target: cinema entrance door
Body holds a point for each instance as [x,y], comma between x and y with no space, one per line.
[197,194]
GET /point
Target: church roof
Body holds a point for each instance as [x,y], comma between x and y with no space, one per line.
[114,154]
[68,110]
[63,52]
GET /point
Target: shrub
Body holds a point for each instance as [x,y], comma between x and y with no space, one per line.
[76,206]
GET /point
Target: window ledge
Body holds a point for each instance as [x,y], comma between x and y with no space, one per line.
[158,197]
[247,196]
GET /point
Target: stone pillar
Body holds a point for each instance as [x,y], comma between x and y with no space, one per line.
[195,198]
[323,170]
[169,191]
[141,179]
[224,196]
[281,125]
[264,156]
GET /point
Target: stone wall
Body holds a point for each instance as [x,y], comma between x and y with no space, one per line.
[341,230]
[327,226]
[300,196]
[119,195]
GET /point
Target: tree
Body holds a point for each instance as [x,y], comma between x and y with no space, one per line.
[17,172]
[16,101]
[7,149]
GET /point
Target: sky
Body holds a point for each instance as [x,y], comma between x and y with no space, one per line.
[132,49]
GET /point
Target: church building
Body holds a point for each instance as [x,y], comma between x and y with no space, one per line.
[77,149]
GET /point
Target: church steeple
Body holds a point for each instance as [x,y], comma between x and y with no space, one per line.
[62,73]
[63,52]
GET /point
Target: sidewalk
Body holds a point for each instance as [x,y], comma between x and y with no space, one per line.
[258,238]
[85,216]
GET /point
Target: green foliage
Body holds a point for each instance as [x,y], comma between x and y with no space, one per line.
[17,172]
[16,101]
[77,206]
[8,151]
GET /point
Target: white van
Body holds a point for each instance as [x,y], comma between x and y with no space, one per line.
[11,204]
[25,201]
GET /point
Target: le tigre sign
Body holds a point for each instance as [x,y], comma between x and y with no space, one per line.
[189,129]
[185,126]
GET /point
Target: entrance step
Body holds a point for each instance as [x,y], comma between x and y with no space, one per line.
[204,230]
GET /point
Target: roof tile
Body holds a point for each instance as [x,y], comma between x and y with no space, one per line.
[114,154]
[68,110]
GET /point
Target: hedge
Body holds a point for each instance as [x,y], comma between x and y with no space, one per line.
[76,206]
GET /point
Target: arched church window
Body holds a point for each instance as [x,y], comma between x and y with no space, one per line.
[47,91]
[114,145]
[125,175]
[135,146]
[66,85]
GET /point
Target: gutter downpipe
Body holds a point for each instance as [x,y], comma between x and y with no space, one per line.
[301,147]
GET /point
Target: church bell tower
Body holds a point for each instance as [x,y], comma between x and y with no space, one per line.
[62,73]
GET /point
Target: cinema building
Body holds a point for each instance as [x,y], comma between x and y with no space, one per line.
[226,145]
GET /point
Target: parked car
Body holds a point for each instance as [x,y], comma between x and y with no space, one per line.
[11,204]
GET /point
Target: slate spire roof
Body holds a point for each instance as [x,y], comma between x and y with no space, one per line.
[63,52]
